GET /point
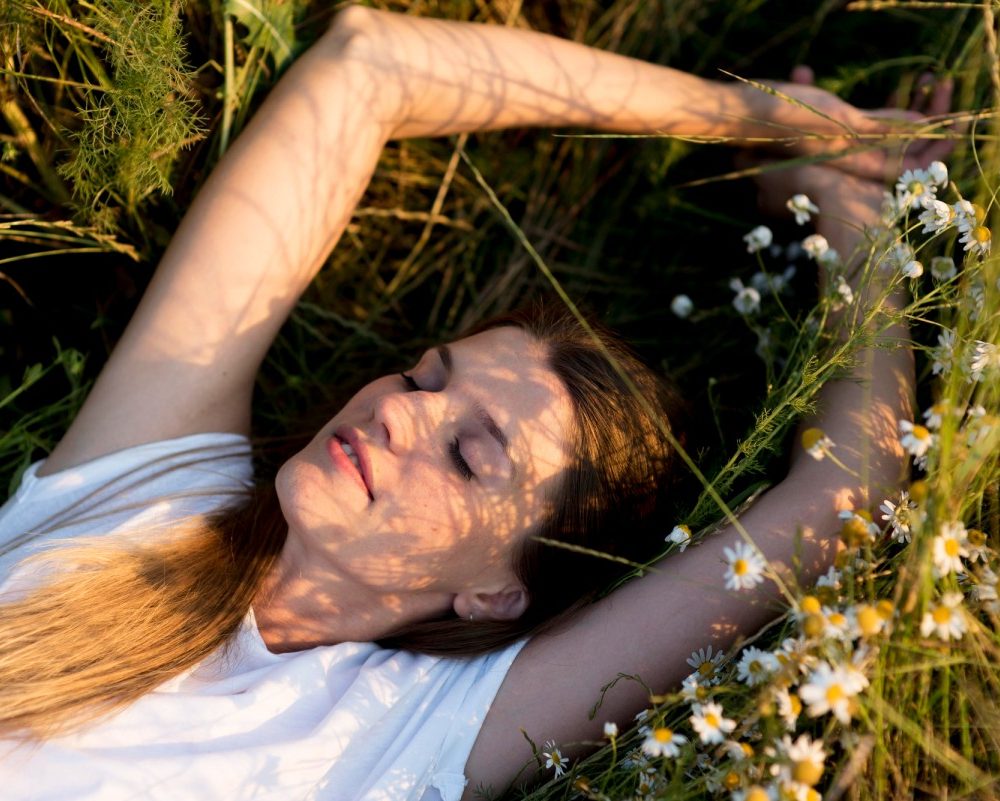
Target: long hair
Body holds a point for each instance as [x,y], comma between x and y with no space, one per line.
[119,619]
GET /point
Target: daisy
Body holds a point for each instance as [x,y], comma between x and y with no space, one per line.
[830,689]
[710,723]
[756,666]
[944,353]
[747,300]
[985,590]
[836,625]
[913,269]
[979,551]
[829,259]
[554,758]
[843,289]
[946,620]
[745,567]
[806,756]
[898,516]
[680,535]
[968,215]
[682,306]
[691,690]
[937,173]
[937,216]
[758,239]
[977,240]
[949,548]
[916,440]
[831,579]
[943,268]
[738,751]
[663,742]
[801,206]
[934,416]
[815,245]
[705,662]
[867,622]
[789,707]
[913,188]
[984,356]
[816,443]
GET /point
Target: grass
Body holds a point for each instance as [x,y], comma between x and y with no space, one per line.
[115,111]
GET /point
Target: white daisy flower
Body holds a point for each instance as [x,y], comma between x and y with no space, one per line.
[946,620]
[830,689]
[662,741]
[836,624]
[682,306]
[554,758]
[710,723]
[816,443]
[913,269]
[866,620]
[815,245]
[747,300]
[937,216]
[789,707]
[917,440]
[899,516]
[949,548]
[758,239]
[913,187]
[737,751]
[680,535]
[756,666]
[610,730]
[985,590]
[937,173]
[691,690]
[943,268]
[745,567]
[831,578]
[806,757]
[975,542]
[801,206]
[968,215]
[977,240]
[772,282]
[944,353]
[934,416]
[983,358]
[706,663]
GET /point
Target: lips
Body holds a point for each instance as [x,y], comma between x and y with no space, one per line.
[351,455]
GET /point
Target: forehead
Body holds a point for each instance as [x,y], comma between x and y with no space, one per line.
[508,372]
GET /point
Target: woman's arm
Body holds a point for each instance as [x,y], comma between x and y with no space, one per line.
[279,200]
[649,627]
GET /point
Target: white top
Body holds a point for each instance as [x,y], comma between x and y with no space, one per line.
[348,721]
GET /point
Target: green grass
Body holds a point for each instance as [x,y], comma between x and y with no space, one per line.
[109,129]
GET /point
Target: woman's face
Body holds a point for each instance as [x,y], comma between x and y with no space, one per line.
[426,484]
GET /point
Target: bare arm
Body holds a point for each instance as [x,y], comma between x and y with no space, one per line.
[280,198]
[651,625]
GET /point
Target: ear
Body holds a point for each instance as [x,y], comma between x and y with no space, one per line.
[507,603]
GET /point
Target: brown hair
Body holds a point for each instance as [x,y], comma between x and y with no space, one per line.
[127,617]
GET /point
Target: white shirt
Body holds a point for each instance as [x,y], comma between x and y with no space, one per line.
[343,722]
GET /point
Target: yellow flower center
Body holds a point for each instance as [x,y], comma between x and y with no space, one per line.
[712,720]
[706,668]
[869,620]
[756,793]
[685,529]
[810,605]
[854,532]
[864,514]
[812,626]
[915,187]
[951,547]
[941,615]
[807,772]
[921,433]
[795,704]
[981,234]
[755,667]
[979,212]
[740,567]
[835,693]
[663,735]
[976,537]
[837,619]
[747,749]
[884,609]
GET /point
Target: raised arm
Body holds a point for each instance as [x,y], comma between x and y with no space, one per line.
[649,627]
[279,200]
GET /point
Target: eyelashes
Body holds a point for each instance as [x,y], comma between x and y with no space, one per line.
[454,447]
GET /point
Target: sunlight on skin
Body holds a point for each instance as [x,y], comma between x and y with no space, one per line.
[429,540]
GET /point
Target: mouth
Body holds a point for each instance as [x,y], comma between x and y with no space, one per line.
[350,455]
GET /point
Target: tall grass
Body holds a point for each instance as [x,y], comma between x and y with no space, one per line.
[115,111]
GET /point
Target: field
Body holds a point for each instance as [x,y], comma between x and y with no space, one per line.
[114,112]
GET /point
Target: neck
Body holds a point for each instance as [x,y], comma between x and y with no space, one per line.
[300,606]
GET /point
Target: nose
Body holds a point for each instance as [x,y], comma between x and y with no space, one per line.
[409,417]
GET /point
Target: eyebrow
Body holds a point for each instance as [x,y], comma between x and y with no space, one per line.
[482,415]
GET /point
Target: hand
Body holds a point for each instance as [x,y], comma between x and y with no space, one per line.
[898,152]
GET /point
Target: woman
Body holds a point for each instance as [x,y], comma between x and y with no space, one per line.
[244,643]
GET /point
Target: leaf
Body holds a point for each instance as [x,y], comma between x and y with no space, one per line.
[270,26]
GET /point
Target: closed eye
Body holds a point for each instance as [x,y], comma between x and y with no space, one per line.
[454,449]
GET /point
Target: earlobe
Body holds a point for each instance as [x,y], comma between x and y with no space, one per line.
[507,604]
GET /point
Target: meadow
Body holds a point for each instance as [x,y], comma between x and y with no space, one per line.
[114,112]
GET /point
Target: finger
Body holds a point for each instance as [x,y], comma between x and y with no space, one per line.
[803,74]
